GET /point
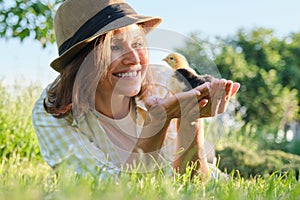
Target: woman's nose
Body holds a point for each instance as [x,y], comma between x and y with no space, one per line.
[131,56]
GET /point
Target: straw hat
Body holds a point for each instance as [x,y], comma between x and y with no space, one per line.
[78,22]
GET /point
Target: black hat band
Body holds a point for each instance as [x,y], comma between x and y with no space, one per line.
[97,22]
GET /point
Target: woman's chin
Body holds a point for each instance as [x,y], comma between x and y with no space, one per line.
[128,91]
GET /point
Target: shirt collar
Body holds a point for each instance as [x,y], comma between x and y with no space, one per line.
[138,102]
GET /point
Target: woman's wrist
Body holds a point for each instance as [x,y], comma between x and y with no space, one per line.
[191,134]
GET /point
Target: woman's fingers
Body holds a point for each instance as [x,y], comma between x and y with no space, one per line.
[217,92]
[206,100]
[220,92]
[230,90]
[225,98]
[203,103]
[235,89]
[153,100]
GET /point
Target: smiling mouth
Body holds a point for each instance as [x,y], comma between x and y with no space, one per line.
[127,74]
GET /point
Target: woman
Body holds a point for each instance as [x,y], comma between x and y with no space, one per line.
[99,115]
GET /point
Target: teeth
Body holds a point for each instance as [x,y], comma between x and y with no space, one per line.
[127,74]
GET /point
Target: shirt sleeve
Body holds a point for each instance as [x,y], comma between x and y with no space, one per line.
[60,142]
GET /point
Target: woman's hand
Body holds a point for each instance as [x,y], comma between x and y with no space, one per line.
[220,92]
[206,100]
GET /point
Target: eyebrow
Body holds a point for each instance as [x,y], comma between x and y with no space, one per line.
[135,37]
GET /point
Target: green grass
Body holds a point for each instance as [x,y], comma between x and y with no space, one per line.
[29,180]
[24,175]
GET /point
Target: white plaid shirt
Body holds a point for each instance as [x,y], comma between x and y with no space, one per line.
[83,144]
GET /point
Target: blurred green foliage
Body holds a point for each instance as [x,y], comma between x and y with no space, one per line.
[250,163]
[17,137]
[28,18]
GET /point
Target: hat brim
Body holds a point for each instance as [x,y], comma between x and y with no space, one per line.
[148,22]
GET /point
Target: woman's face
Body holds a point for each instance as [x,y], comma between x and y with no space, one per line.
[129,60]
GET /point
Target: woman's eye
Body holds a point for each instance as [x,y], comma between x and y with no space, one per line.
[137,45]
[115,47]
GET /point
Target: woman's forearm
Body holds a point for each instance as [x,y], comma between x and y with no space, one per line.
[191,144]
[150,141]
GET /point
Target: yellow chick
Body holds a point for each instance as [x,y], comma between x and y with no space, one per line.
[176,61]
[184,78]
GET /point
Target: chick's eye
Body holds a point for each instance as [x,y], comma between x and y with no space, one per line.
[171,58]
